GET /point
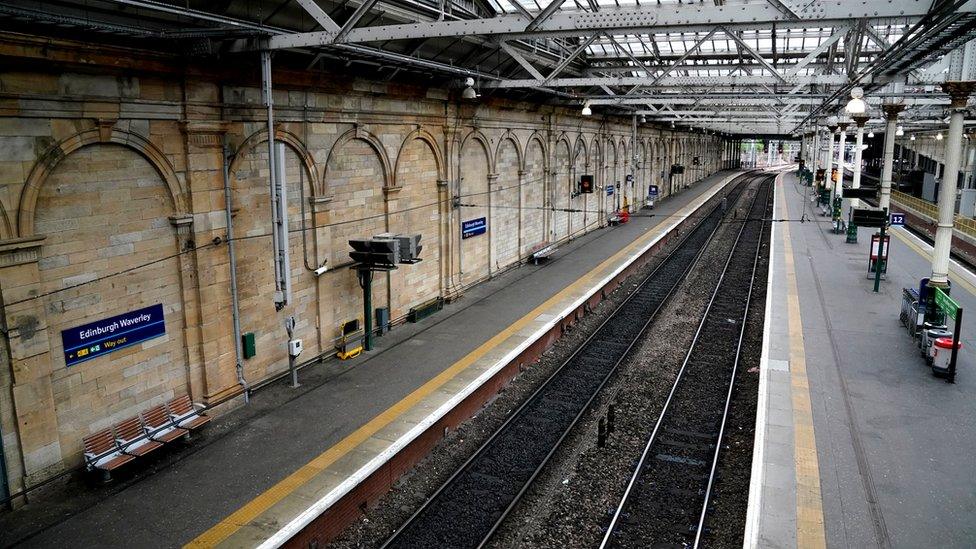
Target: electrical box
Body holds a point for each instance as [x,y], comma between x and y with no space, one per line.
[295,347]
[247,343]
[586,184]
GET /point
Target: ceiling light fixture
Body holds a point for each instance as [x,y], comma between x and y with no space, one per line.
[870,135]
[856,105]
[912,138]
[469,92]
[938,136]
[586,110]
[901,131]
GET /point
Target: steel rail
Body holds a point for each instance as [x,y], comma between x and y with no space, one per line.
[639,468]
[728,396]
[394,539]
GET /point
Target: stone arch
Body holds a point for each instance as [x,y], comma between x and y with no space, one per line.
[373,142]
[480,137]
[52,157]
[509,136]
[538,138]
[293,142]
[533,197]
[421,134]
[581,145]
[562,169]
[6,231]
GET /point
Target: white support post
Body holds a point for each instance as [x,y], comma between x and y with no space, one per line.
[839,183]
[959,91]
[891,121]
[860,120]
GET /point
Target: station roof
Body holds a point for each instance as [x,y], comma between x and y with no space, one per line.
[729,66]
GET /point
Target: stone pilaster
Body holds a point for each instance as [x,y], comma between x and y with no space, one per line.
[30,355]
[206,270]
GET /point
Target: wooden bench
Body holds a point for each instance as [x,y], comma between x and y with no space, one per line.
[184,415]
[111,448]
[133,438]
[542,251]
[103,452]
[160,426]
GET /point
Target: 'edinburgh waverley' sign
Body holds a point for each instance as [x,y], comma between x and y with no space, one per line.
[111,334]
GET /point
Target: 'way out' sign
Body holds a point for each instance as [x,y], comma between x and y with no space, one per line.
[101,337]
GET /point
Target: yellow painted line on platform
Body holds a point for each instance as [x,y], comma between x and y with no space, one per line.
[251,510]
[809,501]
[953,272]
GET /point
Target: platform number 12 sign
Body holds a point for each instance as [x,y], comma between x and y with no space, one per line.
[897,219]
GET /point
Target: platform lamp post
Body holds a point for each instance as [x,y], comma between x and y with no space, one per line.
[891,121]
[839,179]
[860,120]
[828,189]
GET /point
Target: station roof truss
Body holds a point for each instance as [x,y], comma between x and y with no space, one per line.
[731,66]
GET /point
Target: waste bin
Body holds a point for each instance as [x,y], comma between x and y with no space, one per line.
[930,337]
[941,354]
[923,341]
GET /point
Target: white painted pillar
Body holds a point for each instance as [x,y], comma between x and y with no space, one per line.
[959,91]
[891,122]
[839,184]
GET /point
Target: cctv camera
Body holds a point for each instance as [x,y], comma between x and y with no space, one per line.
[321,270]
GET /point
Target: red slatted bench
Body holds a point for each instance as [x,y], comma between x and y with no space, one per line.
[102,452]
[184,415]
[133,439]
[160,426]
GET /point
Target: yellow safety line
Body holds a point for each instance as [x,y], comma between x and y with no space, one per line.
[809,501]
[251,510]
[956,279]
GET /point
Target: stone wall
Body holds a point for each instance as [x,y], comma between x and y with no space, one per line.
[112,199]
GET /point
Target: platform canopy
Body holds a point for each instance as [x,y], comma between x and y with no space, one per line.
[730,66]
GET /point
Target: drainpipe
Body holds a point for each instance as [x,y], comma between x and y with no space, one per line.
[235,303]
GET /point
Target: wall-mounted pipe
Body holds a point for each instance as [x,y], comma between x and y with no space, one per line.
[234,299]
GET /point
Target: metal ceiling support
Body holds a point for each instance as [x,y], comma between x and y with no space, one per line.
[522,61]
[837,34]
[677,62]
[671,81]
[660,18]
[544,15]
[353,19]
[319,15]
[569,59]
[784,9]
[762,60]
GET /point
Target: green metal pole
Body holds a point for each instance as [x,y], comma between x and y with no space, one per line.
[877,264]
[366,283]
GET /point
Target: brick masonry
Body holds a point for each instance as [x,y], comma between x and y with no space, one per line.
[111,196]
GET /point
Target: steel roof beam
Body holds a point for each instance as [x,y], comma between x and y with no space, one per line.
[670,81]
[820,13]
[320,16]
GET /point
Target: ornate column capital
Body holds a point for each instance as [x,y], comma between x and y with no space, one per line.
[892,110]
[959,92]
[861,120]
[843,126]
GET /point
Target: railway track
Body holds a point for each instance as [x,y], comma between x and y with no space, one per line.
[467,509]
[666,501]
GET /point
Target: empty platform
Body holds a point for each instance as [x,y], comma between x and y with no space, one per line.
[272,475]
[858,444]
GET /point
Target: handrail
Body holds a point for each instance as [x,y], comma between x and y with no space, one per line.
[963,224]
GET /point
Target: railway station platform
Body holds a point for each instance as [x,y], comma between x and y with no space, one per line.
[271,476]
[857,444]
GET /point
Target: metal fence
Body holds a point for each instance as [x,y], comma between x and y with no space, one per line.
[963,224]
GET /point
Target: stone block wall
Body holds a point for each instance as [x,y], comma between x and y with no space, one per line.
[112,199]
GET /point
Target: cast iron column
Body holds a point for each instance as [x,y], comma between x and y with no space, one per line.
[959,92]
[891,122]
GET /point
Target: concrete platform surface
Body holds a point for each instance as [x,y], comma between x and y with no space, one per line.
[255,483]
[858,445]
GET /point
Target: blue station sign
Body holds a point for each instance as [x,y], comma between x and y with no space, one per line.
[474,227]
[897,219]
[652,191]
[609,190]
[104,336]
